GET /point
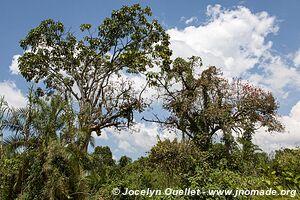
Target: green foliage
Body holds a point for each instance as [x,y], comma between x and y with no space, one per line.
[8,173]
[124,160]
[204,104]
[179,165]
[87,69]
[284,170]
[45,155]
[223,179]
[176,159]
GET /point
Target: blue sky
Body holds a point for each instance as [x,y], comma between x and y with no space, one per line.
[268,32]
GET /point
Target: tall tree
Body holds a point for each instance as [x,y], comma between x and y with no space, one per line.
[88,69]
[202,104]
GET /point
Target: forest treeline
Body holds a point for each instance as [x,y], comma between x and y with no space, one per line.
[81,86]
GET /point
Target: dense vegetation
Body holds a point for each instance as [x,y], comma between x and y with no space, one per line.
[45,152]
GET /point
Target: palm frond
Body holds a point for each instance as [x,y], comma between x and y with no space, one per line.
[14,143]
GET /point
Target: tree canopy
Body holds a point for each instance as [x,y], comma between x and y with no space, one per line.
[201,104]
[88,69]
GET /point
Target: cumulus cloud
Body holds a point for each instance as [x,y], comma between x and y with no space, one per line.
[12,94]
[103,135]
[139,139]
[139,83]
[191,20]
[236,41]
[126,146]
[290,138]
[297,58]
[14,66]
[236,37]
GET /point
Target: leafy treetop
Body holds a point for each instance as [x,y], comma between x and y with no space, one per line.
[203,104]
[89,69]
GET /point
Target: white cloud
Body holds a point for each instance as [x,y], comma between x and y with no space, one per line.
[126,146]
[191,20]
[182,19]
[237,37]
[12,94]
[277,75]
[236,41]
[297,58]
[14,66]
[139,139]
[289,139]
[102,136]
